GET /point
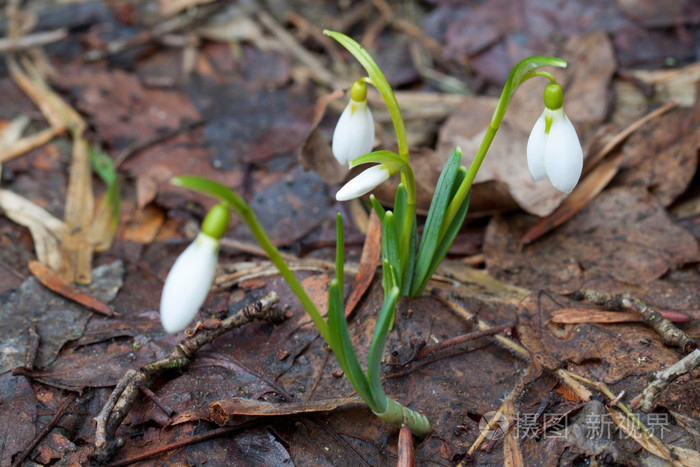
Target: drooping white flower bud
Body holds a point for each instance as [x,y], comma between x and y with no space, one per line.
[190,278]
[553,149]
[363,183]
[354,134]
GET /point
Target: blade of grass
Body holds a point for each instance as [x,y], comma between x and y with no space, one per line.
[374,359]
[338,328]
[433,223]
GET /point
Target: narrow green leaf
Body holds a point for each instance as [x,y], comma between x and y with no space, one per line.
[387,277]
[339,252]
[445,243]
[338,328]
[399,207]
[335,334]
[393,254]
[103,165]
[436,214]
[104,168]
[407,281]
[374,359]
[378,208]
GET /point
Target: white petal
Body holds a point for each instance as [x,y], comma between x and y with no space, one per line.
[354,134]
[535,150]
[188,283]
[363,183]
[563,155]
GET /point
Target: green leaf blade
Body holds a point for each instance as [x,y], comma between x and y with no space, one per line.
[436,214]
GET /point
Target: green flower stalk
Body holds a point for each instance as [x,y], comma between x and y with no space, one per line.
[414,265]
[335,331]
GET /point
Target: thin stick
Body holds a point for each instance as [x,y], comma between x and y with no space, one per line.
[124,395]
[621,136]
[447,343]
[193,440]
[497,417]
[662,378]
[670,334]
[646,433]
[29,41]
[44,431]
[481,324]
[155,399]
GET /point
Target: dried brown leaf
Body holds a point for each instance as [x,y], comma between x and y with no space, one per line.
[624,234]
[46,230]
[369,260]
[662,155]
[315,153]
[227,412]
[51,280]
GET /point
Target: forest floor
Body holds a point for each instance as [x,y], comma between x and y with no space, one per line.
[104,102]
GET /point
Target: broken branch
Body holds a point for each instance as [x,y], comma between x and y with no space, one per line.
[662,378]
[670,334]
[124,395]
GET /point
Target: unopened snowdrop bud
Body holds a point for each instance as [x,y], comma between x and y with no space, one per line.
[190,278]
[553,149]
[363,183]
[354,134]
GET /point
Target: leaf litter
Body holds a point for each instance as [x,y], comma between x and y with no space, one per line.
[213,118]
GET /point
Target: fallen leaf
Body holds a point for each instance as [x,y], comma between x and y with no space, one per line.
[53,281]
[662,155]
[622,234]
[225,412]
[369,260]
[17,413]
[57,319]
[575,315]
[315,153]
[135,115]
[653,14]
[610,351]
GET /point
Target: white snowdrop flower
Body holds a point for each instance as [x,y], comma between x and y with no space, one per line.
[354,134]
[363,183]
[190,278]
[553,149]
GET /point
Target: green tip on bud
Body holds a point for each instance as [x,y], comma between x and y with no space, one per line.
[553,96]
[358,91]
[216,221]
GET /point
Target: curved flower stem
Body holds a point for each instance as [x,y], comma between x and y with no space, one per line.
[379,81]
[544,74]
[244,211]
[520,73]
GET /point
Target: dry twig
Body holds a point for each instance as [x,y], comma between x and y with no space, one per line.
[662,378]
[124,395]
[670,334]
[39,39]
[45,431]
[633,426]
